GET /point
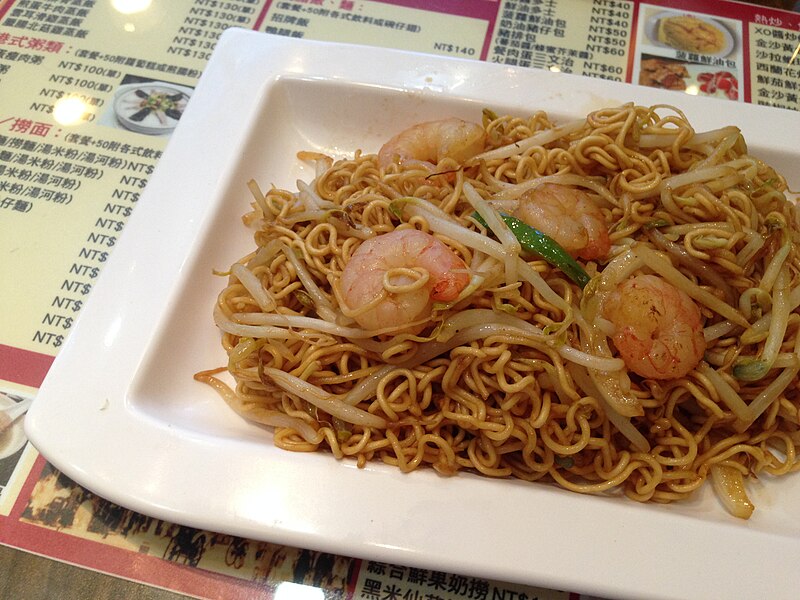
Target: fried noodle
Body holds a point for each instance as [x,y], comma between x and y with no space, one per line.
[517,376]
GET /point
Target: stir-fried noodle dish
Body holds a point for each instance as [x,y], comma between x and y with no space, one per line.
[607,304]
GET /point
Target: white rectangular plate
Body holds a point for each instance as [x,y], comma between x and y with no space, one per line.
[120,414]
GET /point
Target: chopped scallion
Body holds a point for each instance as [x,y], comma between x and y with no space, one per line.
[534,241]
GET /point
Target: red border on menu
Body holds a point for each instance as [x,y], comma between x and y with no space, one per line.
[4,6]
[24,367]
[632,56]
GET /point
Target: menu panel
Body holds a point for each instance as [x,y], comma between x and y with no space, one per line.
[775,63]
[450,28]
[594,41]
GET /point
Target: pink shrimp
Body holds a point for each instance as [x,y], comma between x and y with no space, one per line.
[567,215]
[411,268]
[658,328]
[434,140]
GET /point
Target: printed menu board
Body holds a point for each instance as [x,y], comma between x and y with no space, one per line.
[89,94]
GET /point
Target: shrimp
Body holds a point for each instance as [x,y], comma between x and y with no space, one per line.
[567,215]
[434,140]
[658,329]
[391,280]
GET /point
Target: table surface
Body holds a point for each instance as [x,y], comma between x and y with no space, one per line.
[29,576]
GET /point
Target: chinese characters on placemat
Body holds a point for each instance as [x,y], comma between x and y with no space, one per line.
[548,34]
[381,581]
[49,176]
[66,18]
[89,93]
[451,27]
[775,62]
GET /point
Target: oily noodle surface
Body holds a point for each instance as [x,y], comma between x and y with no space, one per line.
[507,405]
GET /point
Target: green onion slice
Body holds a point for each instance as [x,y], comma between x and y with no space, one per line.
[535,242]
